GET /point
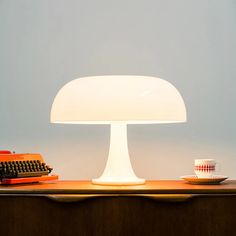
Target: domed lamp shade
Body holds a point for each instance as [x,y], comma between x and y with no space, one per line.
[118,101]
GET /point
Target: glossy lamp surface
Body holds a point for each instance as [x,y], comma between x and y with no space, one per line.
[118,101]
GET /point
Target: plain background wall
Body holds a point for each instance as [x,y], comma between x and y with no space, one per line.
[45,44]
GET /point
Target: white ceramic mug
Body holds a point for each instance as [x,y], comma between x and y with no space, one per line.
[205,168]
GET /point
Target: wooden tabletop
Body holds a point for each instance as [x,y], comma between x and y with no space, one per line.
[151,187]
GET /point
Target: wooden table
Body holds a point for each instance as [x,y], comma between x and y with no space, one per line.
[81,208]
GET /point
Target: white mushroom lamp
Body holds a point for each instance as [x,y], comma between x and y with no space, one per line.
[118,101]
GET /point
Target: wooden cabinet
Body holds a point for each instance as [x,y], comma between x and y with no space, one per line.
[157,208]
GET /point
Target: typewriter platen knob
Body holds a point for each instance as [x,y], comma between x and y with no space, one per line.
[49,168]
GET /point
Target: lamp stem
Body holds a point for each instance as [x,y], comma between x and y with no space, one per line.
[118,170]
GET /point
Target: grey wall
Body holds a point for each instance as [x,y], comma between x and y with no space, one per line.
[44,44]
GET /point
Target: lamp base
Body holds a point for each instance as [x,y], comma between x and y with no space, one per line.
[118,170]
[118,182]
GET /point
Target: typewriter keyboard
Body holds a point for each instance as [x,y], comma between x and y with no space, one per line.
[21,169]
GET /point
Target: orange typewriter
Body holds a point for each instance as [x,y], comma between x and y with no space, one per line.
[23,168]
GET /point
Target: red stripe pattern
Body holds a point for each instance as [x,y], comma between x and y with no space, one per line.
[205,168]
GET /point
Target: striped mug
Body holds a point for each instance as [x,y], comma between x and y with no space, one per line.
[205,168]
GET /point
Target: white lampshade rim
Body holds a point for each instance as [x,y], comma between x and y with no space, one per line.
[117,121]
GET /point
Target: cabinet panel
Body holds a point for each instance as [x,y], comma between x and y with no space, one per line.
[118,216]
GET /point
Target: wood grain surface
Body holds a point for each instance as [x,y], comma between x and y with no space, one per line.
[86,187]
